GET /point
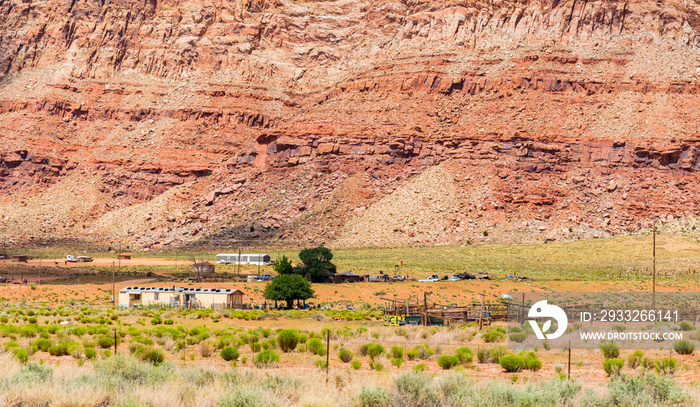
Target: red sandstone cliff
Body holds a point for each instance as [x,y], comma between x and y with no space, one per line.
[346,122]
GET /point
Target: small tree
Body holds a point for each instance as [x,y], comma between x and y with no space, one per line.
[283,266]
[288,288]
[317,263]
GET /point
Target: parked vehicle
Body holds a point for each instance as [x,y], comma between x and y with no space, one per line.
[430,279]
[454,278]
[83,259]
[267,277]
[71,259]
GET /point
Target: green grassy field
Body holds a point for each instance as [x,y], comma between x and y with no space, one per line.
[618,257]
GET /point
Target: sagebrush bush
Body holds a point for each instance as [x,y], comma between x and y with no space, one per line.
[416,389]
[423,352]
[464,355]
[635,359]
[345,355]
[376,397]
[105,342]
[396,352]
[356,364]
[684,347]
[244,397]
[512,363]
[518,337]
[152,356]
[397,362]
[266,358]
[447,362]
[613,366]
[666,366]
[610,350]
[685,326]
[287,339]
[482,354]
[497,353]
[493,336]
[229,353]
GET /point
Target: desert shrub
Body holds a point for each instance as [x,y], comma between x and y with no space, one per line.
[105,342]
[396,352]
[610,350]
[685,326]
[497,353]
[21,355]
[684,347]
[315,345]
[205,349]
[447,362]
[416,389]
[58,350]
[32,373]
[666,366]
[419,368]
[532,362]
[493,336]
[90,353]
[123,370]
[244,397]
[613,366]
[356,364]
[464,355]
[482,354]
[423,352]
[376,397]
[43,344]
[518,337]
[266,358]
[152,356]
[635,359]
[512,363]
[142,340]
[374,350]
[287,339]
[412,355]
[321,364]
[345,355]
[376,366]
[643,390]
[648,363]
[229,353]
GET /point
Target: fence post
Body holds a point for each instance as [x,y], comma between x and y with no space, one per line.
[328,352]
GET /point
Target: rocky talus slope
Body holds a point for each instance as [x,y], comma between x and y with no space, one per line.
[349,123]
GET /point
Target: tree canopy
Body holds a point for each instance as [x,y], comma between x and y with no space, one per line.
[317,263]
[289,287]
[283,266]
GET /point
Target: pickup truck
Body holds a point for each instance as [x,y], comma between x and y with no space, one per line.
[266,277]
[430,279]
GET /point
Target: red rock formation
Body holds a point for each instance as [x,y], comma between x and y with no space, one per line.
[168,122]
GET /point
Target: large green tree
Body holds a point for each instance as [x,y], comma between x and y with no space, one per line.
[317,263]
[283,266]
[288,288]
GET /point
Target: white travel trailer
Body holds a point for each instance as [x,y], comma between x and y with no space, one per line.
[245,258]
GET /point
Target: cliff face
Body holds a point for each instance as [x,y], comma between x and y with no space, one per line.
[346,122]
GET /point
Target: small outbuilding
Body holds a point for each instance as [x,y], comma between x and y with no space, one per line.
[124,256]
[203,267]
[346,277]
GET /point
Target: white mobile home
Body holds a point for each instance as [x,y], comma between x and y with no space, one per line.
[245,258]
[181,297]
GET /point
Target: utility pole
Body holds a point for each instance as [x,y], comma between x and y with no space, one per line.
[653,268]
[119,258]
[39,271]
[481,312]
[239,262]
[328,348]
